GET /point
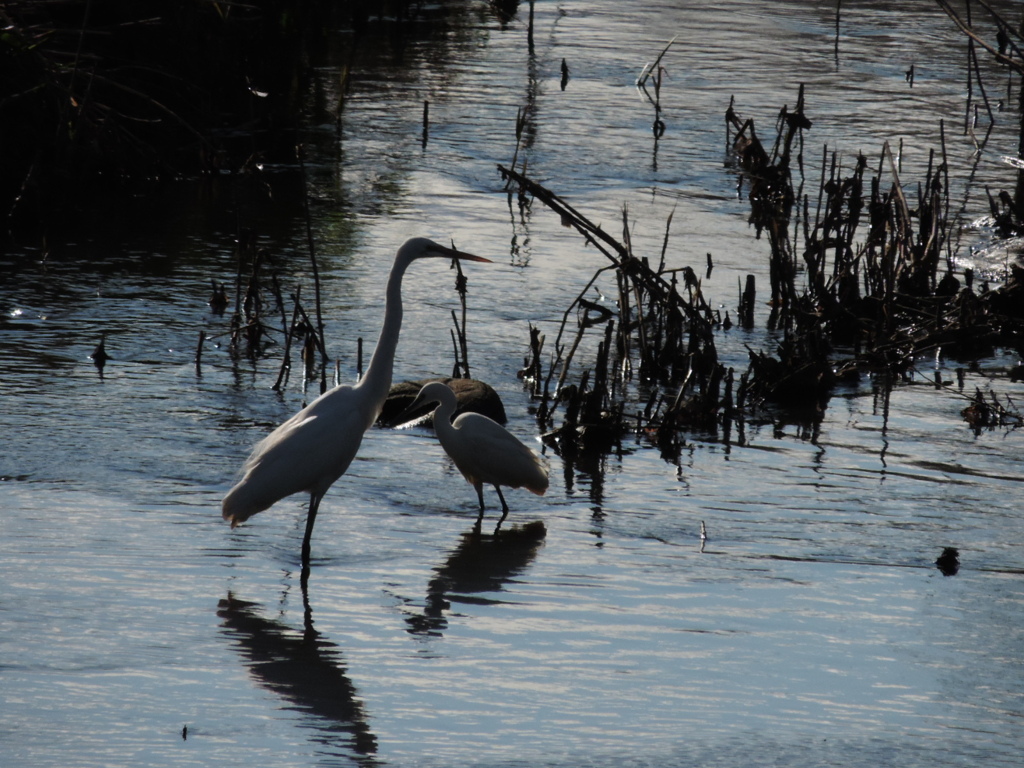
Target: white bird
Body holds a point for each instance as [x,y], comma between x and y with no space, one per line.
[313,448]
[483,450]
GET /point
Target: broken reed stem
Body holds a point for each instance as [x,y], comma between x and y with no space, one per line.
[275,288]
[654,284]
[240,301]
[316,273]
[521,114]
[664,243]
[532,367]
[974,75]
[623,340]
[730,120]
[653,67]
[641,327]
[944,220]
[199,352]
[462,288]
[745,310]
[286,360]
[457,367]
[461,368]
[529,31]
[905,234]
[593,233]
[577,302]
[247,319]
[970,85]
[572,351]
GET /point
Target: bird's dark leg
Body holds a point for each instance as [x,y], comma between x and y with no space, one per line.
[314,505]
[480,495]
[504,509]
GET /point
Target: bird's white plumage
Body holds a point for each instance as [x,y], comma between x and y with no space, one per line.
[313,448]
[307,453]
[483,450]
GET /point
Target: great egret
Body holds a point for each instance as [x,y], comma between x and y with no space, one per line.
[483,450]
[311,450]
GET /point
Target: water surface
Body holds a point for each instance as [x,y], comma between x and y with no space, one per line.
[810,628]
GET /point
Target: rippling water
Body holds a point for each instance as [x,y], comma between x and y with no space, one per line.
[810,628]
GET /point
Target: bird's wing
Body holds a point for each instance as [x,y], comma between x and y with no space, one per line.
[308,453]
[485,451]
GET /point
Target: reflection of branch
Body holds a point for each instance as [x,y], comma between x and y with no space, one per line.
[480,563]
[301,668]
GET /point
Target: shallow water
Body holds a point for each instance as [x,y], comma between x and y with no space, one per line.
[810,628]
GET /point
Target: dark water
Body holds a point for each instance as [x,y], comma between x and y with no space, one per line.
[811,628]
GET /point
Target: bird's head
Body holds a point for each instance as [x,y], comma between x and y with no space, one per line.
[422,247]
[435,392]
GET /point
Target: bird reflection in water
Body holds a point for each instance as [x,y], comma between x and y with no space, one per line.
[480,563]
[302,668]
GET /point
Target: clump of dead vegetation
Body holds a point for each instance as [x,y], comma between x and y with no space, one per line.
[863,281]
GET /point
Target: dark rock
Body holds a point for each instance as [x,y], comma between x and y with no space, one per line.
[472,395]
[949,561]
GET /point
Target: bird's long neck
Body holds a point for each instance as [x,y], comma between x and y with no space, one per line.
[376,380]
[443,416]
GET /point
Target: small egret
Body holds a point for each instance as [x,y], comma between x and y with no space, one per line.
[483,450]
[313,448]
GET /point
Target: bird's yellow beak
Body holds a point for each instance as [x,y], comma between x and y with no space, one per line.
[452,253]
